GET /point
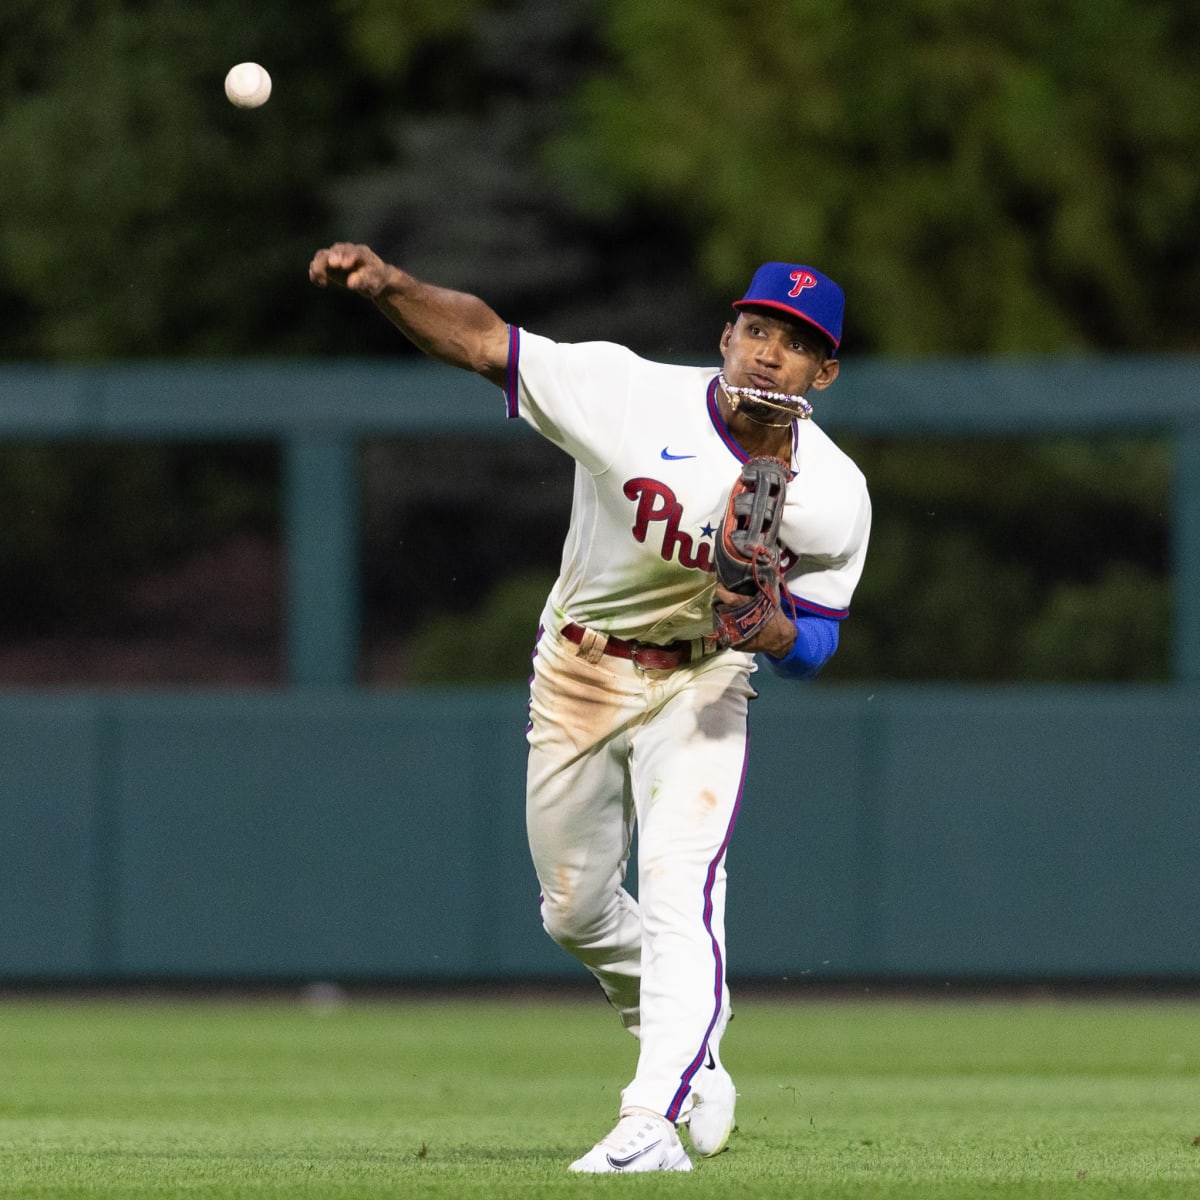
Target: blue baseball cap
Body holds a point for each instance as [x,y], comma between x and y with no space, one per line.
[801,292]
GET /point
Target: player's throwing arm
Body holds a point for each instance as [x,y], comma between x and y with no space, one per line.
[453,327]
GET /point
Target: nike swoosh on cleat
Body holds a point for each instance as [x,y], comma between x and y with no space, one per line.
[674,457]
[619,1164]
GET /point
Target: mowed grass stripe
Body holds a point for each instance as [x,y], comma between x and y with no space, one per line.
[865,1099]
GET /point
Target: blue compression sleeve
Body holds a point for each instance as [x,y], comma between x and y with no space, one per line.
[816,640]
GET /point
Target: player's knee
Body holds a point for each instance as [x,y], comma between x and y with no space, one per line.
[569,923]
[560,920]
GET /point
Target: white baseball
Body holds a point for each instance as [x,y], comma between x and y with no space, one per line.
[247,85]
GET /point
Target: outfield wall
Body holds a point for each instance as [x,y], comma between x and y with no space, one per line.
[309,834]
[322,831]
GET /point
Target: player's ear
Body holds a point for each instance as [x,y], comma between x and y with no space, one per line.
[827,374]
[725,336]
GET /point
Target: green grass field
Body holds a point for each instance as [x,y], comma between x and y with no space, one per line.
[462,1098]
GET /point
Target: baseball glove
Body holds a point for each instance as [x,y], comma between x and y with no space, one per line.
[747,551]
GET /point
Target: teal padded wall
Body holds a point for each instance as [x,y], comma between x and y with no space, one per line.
[324,831]
[973,831]
[52,836]
[323,835]
[305,834]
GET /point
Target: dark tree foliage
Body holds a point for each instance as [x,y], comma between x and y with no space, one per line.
[143,214]
[983,177]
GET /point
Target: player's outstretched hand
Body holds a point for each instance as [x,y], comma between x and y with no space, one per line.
[353,267]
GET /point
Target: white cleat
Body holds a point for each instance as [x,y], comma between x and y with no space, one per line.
[712,1117]
[641,1141]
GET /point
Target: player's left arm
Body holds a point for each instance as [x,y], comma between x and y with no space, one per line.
[800,640]
[815,640]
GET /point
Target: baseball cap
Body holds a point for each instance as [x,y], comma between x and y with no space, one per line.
[802,292]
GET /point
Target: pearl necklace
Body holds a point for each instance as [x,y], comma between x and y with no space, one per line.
[795,406]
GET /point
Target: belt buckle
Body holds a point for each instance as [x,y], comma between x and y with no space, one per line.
[638,647]
[636,657]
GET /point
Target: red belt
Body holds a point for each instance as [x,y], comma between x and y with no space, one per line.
[642,654]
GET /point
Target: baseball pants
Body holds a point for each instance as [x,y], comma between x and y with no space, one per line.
[611,744]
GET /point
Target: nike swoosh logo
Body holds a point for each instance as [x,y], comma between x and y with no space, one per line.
[712,1062]
[619,1164]
[674,457]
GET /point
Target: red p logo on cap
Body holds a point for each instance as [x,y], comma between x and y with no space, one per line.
[801,280]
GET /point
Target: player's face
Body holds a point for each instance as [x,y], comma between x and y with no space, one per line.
[775,355]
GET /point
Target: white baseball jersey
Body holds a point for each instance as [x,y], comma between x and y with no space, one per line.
[654,466]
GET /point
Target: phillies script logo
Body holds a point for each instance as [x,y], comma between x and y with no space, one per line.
[657,505]
[800,281]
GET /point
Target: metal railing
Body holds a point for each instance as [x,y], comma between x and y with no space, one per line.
[319,410]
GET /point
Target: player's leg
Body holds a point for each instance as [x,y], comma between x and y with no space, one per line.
[688,770]
[579,815]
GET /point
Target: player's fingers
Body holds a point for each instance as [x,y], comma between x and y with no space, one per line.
[356,268]
[332,264]
[725,596]
[365,280]
[345,256]
[328,262]
[318,268]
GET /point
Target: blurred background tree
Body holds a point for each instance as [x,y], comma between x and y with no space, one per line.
[143,214]
[983,178]
[987,175]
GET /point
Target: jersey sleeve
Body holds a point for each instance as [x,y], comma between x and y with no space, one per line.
[577,395]
[824,575]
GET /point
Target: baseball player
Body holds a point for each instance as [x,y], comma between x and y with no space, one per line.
[712,521]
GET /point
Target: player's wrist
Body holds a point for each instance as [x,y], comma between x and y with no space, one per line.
[779,637]
[392,283]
